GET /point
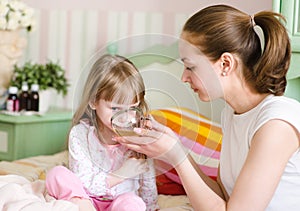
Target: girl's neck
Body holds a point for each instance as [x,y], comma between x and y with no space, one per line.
[106,136]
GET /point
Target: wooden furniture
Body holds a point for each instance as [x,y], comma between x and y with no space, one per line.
[291,10]
[24,136]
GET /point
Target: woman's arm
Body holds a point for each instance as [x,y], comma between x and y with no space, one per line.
[201,196]
[273,143]
[271,148]
[214,185]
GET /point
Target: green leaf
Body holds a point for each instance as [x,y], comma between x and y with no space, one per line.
[49,75]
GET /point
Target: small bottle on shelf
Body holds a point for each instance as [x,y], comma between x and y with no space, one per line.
[34,97]
[24,98]
[12,103]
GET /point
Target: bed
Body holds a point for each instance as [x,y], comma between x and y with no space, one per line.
[22,181]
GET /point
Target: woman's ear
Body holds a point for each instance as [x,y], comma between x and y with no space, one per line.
[227,63]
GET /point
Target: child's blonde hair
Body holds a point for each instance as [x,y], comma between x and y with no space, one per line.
[111,78]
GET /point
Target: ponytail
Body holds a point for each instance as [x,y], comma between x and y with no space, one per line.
[271,69]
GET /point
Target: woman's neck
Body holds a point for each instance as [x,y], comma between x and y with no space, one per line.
[245,101]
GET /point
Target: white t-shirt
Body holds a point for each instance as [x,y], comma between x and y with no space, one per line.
[238,132]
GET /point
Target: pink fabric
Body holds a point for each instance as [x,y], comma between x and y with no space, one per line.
[124,202]
[199,148]
[61,183]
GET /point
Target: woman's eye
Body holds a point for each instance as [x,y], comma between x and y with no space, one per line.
[189,68]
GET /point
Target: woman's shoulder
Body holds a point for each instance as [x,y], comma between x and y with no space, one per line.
[280,107]
[281,104]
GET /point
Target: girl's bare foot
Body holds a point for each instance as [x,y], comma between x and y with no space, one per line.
[83,204]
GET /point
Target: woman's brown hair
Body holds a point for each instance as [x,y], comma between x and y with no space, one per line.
[220,28]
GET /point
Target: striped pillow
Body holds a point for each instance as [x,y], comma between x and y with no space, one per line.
[200,135]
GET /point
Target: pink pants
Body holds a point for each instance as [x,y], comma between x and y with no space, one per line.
[61,183]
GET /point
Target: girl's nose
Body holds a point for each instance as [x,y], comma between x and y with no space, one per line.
[131,114]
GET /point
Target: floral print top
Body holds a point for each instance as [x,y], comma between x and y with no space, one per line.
[92,161]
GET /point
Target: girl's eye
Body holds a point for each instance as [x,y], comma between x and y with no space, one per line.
[115,108]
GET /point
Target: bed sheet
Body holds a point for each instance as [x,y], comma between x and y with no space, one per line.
[22,187]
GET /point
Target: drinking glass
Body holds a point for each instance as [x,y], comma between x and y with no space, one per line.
[123,122]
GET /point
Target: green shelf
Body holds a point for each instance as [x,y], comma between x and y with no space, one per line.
[24,136]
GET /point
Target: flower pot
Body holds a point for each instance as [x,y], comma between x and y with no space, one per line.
[46,98]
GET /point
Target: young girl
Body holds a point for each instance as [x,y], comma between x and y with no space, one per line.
[102,171]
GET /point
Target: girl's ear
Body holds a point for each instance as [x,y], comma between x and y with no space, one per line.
[227,63]
[92,106]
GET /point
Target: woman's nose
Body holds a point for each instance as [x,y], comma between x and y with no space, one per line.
[185,77]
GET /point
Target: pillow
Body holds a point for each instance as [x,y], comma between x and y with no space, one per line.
[167,186]
[199,135]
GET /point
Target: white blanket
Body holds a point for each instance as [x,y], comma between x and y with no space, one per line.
[18,193]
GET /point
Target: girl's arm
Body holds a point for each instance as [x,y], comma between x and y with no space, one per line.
[274,143]
[130,169]
[148,190]
[83,166]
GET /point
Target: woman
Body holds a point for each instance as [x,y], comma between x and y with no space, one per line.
[242,59]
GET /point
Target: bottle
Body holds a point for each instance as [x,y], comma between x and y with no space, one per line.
[12,103]
[24,97]
[34,97]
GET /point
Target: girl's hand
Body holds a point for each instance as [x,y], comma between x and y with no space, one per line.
[131,168]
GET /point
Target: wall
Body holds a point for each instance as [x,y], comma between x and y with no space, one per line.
[71,31]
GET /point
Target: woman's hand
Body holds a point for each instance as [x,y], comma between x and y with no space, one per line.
[160,143]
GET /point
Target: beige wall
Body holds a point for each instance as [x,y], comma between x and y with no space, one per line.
[71,31]
[250,6]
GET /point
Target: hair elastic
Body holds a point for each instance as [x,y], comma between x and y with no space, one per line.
[259,32]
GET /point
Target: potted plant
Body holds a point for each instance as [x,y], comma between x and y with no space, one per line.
[48,76]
